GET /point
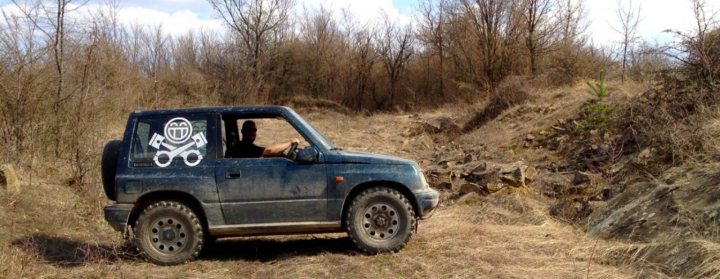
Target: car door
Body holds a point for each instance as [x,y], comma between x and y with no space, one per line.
[271,190]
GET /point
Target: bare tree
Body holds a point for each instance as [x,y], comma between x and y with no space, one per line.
[570,21]
[259,26]
[361,60]
[537,29]
[106,21]
[433,17]
[629,18]
[19,78]
[394,45]
[494,24]
[319,31]
[569,42]
[696,48]
[50,20]
[155,57]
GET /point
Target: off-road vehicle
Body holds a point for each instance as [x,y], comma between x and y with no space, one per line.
[174,186]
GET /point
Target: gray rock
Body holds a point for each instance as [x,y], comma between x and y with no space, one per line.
[517,174]
[513,175]
[470,187]
[483,177]
[475,166]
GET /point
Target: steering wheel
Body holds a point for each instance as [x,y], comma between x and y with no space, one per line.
[292,151]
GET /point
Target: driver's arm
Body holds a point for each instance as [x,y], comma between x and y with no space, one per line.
[276,150]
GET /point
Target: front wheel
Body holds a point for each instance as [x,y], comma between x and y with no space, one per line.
[380,219]
[168,233]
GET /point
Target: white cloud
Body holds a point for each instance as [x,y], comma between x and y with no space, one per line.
[173,23]
[176,23]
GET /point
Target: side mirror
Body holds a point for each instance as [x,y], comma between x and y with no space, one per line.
[308,155]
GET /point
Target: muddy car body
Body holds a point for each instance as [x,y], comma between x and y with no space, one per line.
[174,189]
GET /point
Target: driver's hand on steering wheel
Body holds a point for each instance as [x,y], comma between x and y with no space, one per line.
[295,141]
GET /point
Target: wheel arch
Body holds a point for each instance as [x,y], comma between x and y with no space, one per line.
[178,196]
[383,183]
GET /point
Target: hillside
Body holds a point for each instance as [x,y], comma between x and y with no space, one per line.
[486,225]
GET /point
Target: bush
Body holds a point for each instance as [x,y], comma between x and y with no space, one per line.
[598,114]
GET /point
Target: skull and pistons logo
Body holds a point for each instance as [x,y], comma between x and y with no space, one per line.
[177,132]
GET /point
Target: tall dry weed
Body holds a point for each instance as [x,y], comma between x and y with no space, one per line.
[671,120]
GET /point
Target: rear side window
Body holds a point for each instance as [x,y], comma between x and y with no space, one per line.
[170,141]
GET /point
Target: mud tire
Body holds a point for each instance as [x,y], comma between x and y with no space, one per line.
[168,233]
[380,219]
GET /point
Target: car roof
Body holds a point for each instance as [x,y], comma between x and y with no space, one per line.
[237,109]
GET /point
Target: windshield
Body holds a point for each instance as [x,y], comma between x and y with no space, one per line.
[324,142]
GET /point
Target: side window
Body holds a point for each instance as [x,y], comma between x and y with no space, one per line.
[166,141]
[264,132]
[141,141]
[275,130]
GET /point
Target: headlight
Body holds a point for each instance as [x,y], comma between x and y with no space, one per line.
[423,180]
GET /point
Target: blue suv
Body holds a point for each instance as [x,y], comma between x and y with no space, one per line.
[175,188]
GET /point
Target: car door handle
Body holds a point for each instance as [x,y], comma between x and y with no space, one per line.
[232,174]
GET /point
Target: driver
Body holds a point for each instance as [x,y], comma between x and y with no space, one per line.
[247,149]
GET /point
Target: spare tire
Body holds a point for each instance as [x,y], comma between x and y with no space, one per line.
[109,164]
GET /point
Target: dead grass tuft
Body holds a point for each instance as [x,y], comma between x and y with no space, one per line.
[508,94]
[674,255]
[670,119]
[67,252]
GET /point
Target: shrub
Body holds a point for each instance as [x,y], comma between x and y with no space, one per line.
[598,114]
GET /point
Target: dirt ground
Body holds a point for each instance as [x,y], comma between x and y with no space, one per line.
[504,238]
[51,231]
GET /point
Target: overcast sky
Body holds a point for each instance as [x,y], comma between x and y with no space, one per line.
[178,16]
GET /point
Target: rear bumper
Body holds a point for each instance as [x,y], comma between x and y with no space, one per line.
[427,201]
[117,215]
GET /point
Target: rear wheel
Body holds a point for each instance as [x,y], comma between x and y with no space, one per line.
[380,219]
[168,233]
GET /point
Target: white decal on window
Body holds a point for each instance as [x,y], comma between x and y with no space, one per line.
[178,131]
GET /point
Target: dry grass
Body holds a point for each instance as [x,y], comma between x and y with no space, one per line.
[671,119]
[493,239]
[53,231]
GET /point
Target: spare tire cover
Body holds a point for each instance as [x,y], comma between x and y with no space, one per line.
[109,164]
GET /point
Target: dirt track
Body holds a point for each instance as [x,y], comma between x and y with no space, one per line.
[488,240]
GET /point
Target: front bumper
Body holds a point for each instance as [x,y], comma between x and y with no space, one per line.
[117,215]
[427,201]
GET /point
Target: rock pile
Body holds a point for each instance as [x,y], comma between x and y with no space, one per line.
[465,174]
[440,129]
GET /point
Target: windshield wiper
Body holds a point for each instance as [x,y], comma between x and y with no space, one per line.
[336,148]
